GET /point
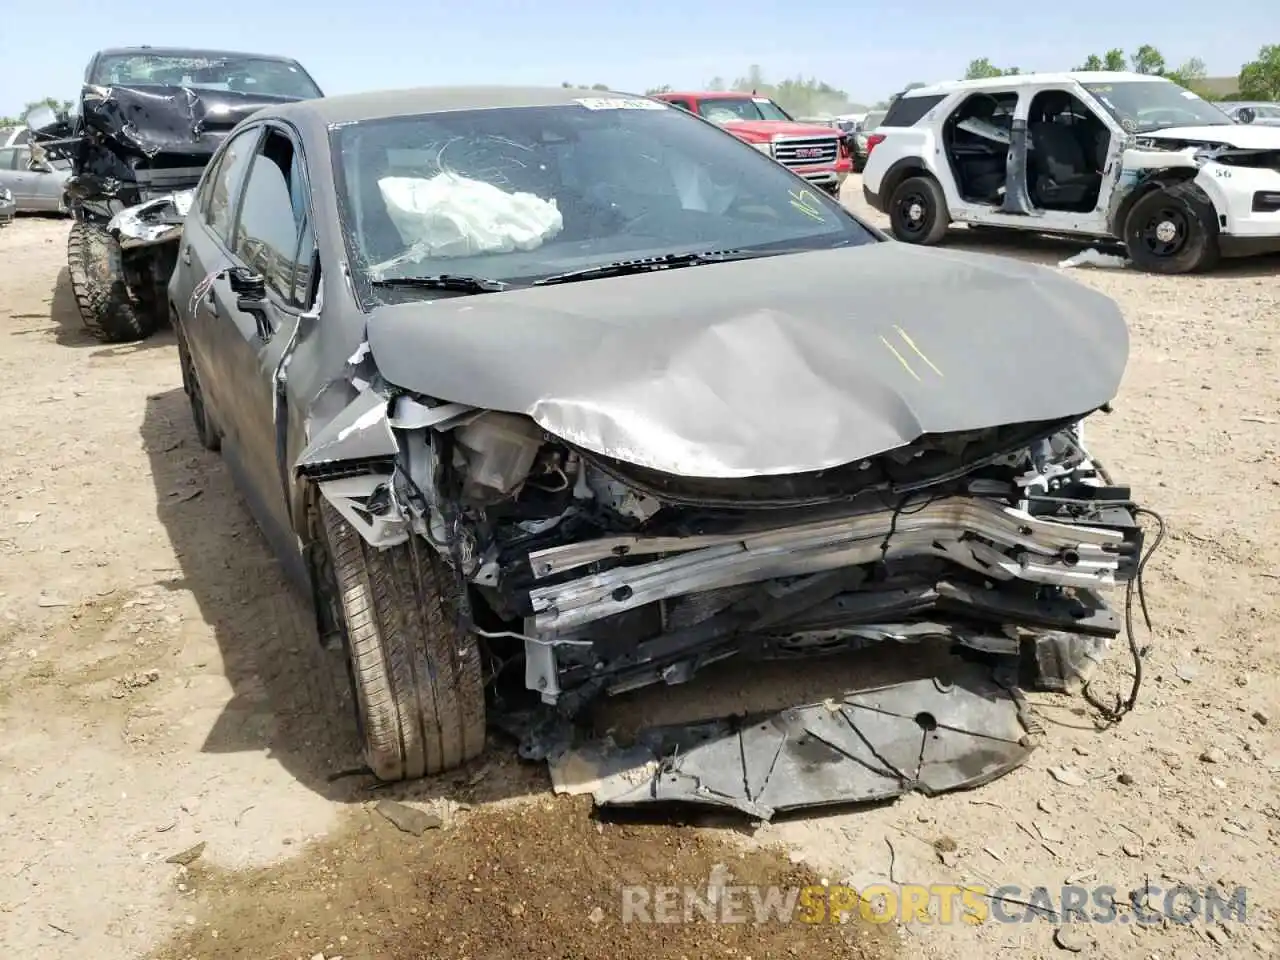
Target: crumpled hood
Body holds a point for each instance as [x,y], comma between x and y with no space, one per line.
[169,119]
[1244,136]
[779,365]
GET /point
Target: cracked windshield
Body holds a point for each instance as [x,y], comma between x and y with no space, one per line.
[522,193]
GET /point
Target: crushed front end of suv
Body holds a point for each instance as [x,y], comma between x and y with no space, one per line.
[561,397]
[147,122]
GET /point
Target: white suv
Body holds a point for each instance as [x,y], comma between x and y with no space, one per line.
[1120,156]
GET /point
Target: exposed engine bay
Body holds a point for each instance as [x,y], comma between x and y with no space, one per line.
[608,577]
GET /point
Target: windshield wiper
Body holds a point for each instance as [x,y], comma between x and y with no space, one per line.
[462,283]
[622,268]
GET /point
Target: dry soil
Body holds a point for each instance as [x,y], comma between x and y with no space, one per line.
[160,689]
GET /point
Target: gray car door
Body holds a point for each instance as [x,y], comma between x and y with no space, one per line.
[205,251]
[272,233]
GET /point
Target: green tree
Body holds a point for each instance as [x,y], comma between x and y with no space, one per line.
[982,68]
[1092,62]
[717,84]
[61,107]
[599,86]
[1189,74]
[665,88]
[1114,60]
[1148,60]
[1260,78]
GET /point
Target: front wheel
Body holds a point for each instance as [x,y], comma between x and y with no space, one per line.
[95,266]
[1172,230]
[918,211]
[418,687]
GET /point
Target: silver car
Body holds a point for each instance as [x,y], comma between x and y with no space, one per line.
[36,184]
[1253,111]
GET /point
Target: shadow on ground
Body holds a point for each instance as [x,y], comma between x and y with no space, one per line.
[291,698]
[69,329]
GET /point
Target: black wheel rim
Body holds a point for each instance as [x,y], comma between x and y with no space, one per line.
[1165,232]
[913,213]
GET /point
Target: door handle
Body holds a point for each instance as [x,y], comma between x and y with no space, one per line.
[186,255]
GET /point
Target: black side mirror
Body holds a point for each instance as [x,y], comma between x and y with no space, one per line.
[1246,115]
[251,297]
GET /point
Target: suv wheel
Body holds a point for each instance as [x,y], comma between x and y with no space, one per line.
[1172,230]
[418,688]
[918,211]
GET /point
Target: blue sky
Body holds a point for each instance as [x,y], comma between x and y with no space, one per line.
[869,50]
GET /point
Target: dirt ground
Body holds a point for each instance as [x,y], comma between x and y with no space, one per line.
[160,689]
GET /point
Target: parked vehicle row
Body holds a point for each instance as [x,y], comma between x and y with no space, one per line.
[35,183]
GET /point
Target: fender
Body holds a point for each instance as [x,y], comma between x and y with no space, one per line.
[898,171]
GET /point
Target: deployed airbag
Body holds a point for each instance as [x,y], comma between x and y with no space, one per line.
[452,216]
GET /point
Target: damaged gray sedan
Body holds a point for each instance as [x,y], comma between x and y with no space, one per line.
[576,394]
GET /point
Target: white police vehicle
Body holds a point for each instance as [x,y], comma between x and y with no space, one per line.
[1118,156]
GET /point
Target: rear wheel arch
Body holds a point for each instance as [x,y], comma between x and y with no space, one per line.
[901,170]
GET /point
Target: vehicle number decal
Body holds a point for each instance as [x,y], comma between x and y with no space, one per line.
[1221,172]
[620,103]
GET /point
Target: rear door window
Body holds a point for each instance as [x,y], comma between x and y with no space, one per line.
[908,111]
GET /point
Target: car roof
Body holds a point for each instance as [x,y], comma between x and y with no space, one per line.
[384,104]
[187,52]
[1028,79]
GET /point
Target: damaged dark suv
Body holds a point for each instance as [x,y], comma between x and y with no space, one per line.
[147,122]
[582,392]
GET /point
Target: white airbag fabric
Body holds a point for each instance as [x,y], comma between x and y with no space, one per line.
[452,216]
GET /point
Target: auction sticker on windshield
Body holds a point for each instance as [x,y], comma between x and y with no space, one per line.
[620,103]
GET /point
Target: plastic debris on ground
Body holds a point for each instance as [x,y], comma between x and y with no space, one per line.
[1095,258]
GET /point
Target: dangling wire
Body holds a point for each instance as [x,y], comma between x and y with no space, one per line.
[1115,713]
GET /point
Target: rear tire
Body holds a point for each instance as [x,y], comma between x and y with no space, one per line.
[418,688]
[1173,230]
[918,211]
[206,429]
[95,265]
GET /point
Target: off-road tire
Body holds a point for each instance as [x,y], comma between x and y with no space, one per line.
[1190,210]
[95,265]
[935,217]
[418,687]
[207,431]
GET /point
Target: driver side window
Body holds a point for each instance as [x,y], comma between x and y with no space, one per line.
[273,236]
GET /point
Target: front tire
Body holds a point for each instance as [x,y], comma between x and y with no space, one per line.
[95,265]
[417,679]
[918,211]
[1172,230]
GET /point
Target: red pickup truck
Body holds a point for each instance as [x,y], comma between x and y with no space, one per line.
[814,152]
